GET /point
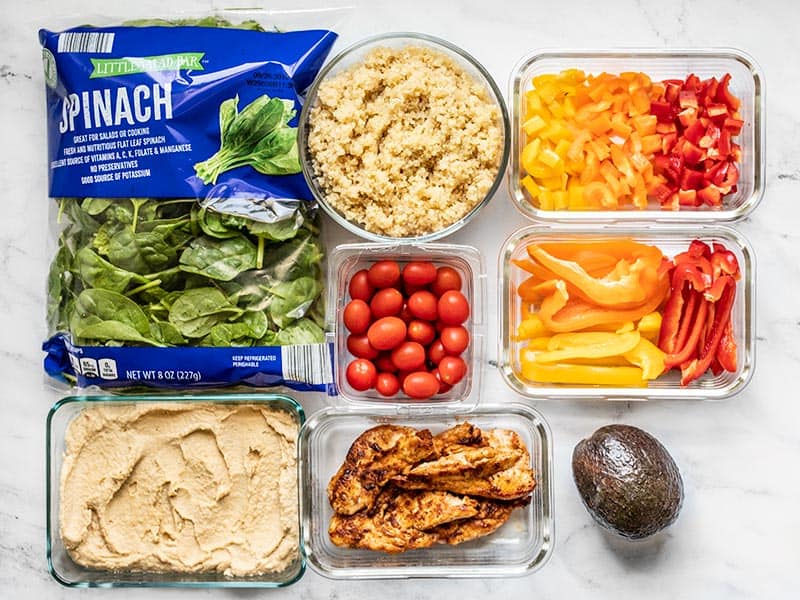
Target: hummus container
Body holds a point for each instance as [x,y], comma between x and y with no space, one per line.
[747,83]
[520,546]
[347,259]
[671,239]
[69,573]
[356,54]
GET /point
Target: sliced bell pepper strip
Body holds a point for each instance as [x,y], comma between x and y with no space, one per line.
[606,291]
[588,345]
[697,366]
[726,352]
[582,374]
[647,356]
[688,348]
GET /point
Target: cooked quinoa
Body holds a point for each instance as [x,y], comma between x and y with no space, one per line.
[406,142]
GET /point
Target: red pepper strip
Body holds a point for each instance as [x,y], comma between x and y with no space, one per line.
[722,314]
[726,353]
[724,262]
[715,290]
[688,317]
[689,348]
[671,318]
[698,249]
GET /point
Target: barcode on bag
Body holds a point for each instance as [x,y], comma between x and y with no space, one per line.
[86,41]
[307,363]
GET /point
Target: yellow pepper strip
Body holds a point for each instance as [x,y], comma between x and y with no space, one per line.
[606,361]
[650,326]
[530,328]
[589,345]
[582,374]
[648,357]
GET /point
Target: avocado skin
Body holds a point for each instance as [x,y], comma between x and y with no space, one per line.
[628,481]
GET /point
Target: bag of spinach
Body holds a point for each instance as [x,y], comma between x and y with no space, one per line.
[188,246]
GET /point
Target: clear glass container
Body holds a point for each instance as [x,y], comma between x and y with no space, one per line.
[671,239]
[355,54]
[521,546]
[70,574]
[747,83]
[347,259]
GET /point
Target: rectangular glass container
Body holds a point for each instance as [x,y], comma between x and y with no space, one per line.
[68,573]
[347,259]
[522,545]
[671,239]
[747,83]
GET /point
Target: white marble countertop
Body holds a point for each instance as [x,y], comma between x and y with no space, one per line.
[737,536]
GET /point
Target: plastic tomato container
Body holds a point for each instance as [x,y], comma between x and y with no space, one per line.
[68,573]
[520,546]
[671,239]
[747,83]
[346,260]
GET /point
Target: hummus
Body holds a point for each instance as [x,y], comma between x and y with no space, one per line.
[181,488]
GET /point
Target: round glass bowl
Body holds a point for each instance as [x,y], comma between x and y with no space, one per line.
[356,54]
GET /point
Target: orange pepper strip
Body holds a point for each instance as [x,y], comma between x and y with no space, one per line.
[626,285]
[560,314]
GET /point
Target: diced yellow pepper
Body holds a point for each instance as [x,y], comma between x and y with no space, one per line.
[530,186]
[534,124]
[560,201]
[549,157]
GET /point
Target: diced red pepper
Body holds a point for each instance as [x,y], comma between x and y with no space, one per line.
[688,198]
[692,180]
[733,125]
[692,154]
[724,95]
[688,116]
[695,131]
[717,110]
[662,111]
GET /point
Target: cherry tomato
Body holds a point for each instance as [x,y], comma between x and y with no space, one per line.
[419,273]
[452,369]
[436,352]
[384,274]
[384,362]
[360,288]
[387,384]
[421,332]
[357,316]
[422,305]
[453,308]
[443,387]
[447,278]
[409,356]
[386,302]
[420,385]
[454,339]
[387,333]
[359,346]
[361,374]
[406,315]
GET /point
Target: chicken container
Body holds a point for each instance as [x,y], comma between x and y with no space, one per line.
[69,573]
[671,240]
[520,546]
[346,260]
[746,83]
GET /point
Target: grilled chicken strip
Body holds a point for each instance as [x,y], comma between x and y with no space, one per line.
[456,438]
[373,459]
[492,514]
[400,519]
[514,482]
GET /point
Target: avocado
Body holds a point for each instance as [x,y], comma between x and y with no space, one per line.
[628,481]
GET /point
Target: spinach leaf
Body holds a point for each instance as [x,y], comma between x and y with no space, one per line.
[104,315]
[292,300]
[219,259]
[304,331]
[197,310]
[100,273]
[141,252]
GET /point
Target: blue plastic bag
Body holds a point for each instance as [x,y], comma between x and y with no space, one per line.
[189,251]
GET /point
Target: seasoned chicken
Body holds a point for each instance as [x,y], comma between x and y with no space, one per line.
[373,459]
[478,462]
[400,520]
[515,481]
[454,439]
[492,514]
